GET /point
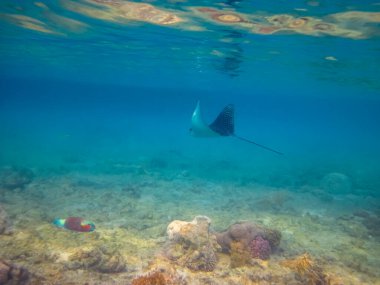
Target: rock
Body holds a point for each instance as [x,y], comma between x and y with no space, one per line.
[12,178]
[336,183]
[254,238]
[4,270]
[198,228]
[5,223]
[12,274]
[192,245]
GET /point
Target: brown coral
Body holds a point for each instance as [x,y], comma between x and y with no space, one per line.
[306,269]
[299,264]
[155,278]
[239,255]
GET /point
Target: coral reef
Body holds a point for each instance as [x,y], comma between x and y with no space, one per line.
[246,232]
[5,223]
[307,270]
[190,244]
[12,178]
[260,248]
[98,259]
[351,24]
[122,245]
[12,274]
[244,241]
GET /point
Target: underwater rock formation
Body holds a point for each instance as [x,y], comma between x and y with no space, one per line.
[192,245]
[5,223]
[256,239]
[12,178]
[98,259]
[12,274]
[336,183]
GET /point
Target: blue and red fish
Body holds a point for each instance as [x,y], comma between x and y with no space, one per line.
[76,224]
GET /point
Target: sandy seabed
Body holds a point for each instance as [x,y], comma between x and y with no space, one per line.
[338,234]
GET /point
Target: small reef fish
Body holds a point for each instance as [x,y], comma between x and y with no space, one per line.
[76,224]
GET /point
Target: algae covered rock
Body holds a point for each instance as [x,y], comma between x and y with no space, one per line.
[191,244]
[5,223]
[98,259]
[12,178]
[307,270]
[12,274]
[260,241]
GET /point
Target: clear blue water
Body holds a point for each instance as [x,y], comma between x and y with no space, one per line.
[118,93]
[122,90]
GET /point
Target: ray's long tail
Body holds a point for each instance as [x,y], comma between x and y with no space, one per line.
[259,145]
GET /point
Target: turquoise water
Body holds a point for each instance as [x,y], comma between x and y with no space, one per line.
[93,91]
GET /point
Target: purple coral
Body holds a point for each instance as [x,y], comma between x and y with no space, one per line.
[260,248]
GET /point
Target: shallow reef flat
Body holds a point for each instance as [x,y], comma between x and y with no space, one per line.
[42,17]
[155,228]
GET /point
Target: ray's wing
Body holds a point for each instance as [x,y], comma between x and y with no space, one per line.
[224,124]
